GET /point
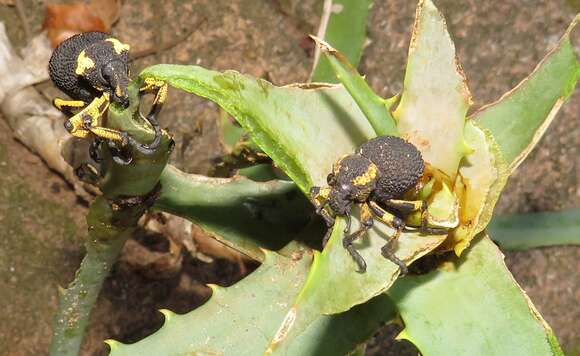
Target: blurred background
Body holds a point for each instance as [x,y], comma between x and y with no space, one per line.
[42,223]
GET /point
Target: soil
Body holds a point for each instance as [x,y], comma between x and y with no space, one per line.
[42,222]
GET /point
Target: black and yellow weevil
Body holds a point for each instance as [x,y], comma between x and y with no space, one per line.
[376,176]
[92,68]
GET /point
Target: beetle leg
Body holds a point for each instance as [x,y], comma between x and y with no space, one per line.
[110,134]
[94,149]
[66,106]
[348,223]
[396,223]
[318,197]
[87,173]
[366,217]
[118,154]
[408,206]
[158,87]
[79,124]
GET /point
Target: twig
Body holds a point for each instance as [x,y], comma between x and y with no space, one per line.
[22,14]
[326,11]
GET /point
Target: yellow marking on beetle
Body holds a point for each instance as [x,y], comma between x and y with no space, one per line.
[119,91]
[161,95]
[80,133]
[155,85]
[323,194]
[94,110]
[84,63]
[118,46]
[151,84]
[107,133]
[407,205]
[366,213]
[367,177]
[63,103]
[382,214]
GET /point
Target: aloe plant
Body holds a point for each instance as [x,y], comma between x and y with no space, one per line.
[302,301]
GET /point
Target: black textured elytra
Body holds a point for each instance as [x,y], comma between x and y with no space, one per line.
[400,164]
[63,63]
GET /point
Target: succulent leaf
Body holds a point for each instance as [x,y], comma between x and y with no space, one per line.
[435,98]
[251,223]
[520,117]
[303,128]
[375,108]
[482,176]
[334,268]
[344,25]
[244,316]
[472,306]
[531,230]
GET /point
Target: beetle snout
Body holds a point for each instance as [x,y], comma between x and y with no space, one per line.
[117,77]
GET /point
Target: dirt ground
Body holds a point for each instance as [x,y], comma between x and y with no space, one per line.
[42,222]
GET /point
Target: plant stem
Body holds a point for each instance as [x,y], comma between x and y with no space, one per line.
[78,299]
[128,191]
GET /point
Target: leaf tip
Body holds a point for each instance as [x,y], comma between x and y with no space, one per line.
[168,314]
[465,148]
[113,344]
[322,45]
[403,335]
[214,287]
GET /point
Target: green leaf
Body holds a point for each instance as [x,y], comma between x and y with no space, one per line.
[339,334]
[239,212]
[375,108]
[482,175]
[520,117]
[304,129]
[531,230]
[472,306]
[344,25]
[231,133]
[333,271]
[239,320]
[435,98]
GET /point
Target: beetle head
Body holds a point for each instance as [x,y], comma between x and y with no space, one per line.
[105,66]
[115,79]
[340,198]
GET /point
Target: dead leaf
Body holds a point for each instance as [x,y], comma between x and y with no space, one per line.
[64,20]
[108,11]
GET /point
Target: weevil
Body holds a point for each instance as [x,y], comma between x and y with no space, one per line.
[92,68]
[376,177]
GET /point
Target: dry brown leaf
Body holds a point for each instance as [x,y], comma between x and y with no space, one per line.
[65,20]
[108,11]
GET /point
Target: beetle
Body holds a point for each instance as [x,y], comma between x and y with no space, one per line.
[376,177]
[92,68]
